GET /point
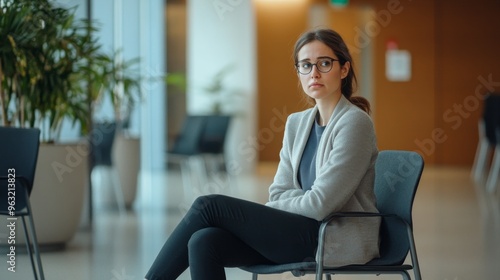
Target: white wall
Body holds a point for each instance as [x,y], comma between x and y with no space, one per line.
[222,33]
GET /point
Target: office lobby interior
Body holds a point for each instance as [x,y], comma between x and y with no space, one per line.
[426,68]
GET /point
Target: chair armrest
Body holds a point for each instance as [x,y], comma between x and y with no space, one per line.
[333,216]
[327,220]
[354,214]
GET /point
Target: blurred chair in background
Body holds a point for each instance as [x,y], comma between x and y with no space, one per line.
[488,143]
[213,142]
[487,138]
[101,142]
[186,151]
[199,149]
[481,158]
[492,131]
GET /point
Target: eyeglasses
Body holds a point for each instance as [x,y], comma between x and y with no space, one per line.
[324,65]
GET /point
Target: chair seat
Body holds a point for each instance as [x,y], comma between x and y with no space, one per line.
[276,269]
[371,268]
[302,268]
[18,213]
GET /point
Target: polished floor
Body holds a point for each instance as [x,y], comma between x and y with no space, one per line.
[456,224]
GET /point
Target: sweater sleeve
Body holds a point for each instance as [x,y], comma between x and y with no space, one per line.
[350,157]
[283,186]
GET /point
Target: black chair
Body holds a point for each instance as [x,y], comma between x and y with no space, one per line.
[19,155]
[199,146]
[214,134]
[213,141]
[397,175]
[487,138]
[186,151]
[188,142]
[491,118]
[102,139]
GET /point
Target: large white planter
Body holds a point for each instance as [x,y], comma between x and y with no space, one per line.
[126,158]
[124,173]
[58,192]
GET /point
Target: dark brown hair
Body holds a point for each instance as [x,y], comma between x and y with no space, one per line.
[335,42]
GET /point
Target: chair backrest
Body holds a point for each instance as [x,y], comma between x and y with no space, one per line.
[491,116]
[18,151]
[397,175]
[214,134]
[101,143]
[189,140]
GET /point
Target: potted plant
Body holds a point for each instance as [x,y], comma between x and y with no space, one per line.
[41,63]
[42,60]
[118,81]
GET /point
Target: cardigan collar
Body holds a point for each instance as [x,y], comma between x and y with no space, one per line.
[307,123]
[342,105]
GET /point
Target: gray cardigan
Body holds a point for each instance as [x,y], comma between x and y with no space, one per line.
[345,176]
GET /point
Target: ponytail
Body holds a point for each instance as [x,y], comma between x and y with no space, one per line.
[361,102]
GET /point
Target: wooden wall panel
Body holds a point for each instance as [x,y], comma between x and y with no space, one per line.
[468,53]
[279,24]
[453,45]
[405,111]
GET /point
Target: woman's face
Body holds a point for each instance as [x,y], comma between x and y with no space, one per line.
[318,85]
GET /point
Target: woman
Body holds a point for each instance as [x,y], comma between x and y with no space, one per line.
[326,165]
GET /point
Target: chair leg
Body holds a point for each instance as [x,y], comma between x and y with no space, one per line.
[222,162]
[198,165]
[255,276]
[187,182]
[218,171]
[480,161]
[481,158]
[117,187]
[109,175]
[406,276]
[319,273]
[36,249]
[28,247]
[491,183]
[413,254]
[35,240]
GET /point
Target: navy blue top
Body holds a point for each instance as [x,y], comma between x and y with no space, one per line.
[307,167]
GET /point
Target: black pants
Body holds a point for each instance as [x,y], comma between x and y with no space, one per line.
[220,231]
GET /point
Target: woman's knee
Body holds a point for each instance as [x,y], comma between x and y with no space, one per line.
[206,255]
[205,240]
[202,202]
